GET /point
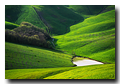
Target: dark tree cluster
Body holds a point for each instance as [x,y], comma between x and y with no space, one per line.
[28,34]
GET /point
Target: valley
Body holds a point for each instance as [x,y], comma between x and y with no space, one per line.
[42,40]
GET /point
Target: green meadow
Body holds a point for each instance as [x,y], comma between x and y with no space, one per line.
[106,71]
[92,39]
[21,56]
[82,31]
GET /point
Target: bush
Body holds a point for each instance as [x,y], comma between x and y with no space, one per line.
[28,34]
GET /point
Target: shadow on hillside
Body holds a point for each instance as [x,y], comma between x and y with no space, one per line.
[58,19]
[67,28]
[50,49]
[75,22]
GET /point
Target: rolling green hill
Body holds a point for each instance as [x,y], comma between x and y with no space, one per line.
[90,10]
[87,9]
[106,71]
[91,37]
[54,18]
[23,57]
[22,13]
[57,17]
[85,31]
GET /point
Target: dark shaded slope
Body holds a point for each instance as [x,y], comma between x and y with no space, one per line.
[12,12]
[57,18]
[108,8]
[43,20]
[22,13]
[87,9]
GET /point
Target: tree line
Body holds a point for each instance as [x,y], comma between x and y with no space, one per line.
[28,34]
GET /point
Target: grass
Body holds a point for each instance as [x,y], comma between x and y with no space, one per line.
[28,14]
[34,73]
[107,56]
[9,25]
[58,17]
[23,57]
[104,17]
[89,38]
[106,71]
[93,38]
[22,13]
[87,9]
[78,58]
[55,18]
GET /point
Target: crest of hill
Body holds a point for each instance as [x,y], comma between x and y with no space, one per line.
[57,18]
[27,33]
[22,13]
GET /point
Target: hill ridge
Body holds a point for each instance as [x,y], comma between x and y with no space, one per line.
[43,20]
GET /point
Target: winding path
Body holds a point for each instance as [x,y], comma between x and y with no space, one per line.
[52,42]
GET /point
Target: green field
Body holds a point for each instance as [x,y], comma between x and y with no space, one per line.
[85,31]
[22,13]
[106,71]
[22,57]
[94,36]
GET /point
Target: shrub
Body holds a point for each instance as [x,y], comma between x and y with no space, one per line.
[28,34]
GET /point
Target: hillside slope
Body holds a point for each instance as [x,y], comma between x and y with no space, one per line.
[22,13]
[106,71]
[87,9]
[58,17]
[93,36]
[9,25]
[25,57]
[54,18]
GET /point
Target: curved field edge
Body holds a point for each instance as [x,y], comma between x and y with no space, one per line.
[104,17]
[10,25]
[23,56]
[106,71]
[34,73]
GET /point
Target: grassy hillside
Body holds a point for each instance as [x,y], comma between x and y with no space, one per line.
[93,36]
[57,17]
[9,25]
[23,57]
[89,72]
[75,30]
[106,71]
[12,12]
[22,13]
[54,18]
[87,9]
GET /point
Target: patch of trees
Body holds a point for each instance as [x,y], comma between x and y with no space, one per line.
[28,34]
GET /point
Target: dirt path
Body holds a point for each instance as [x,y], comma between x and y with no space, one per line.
[52,42]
